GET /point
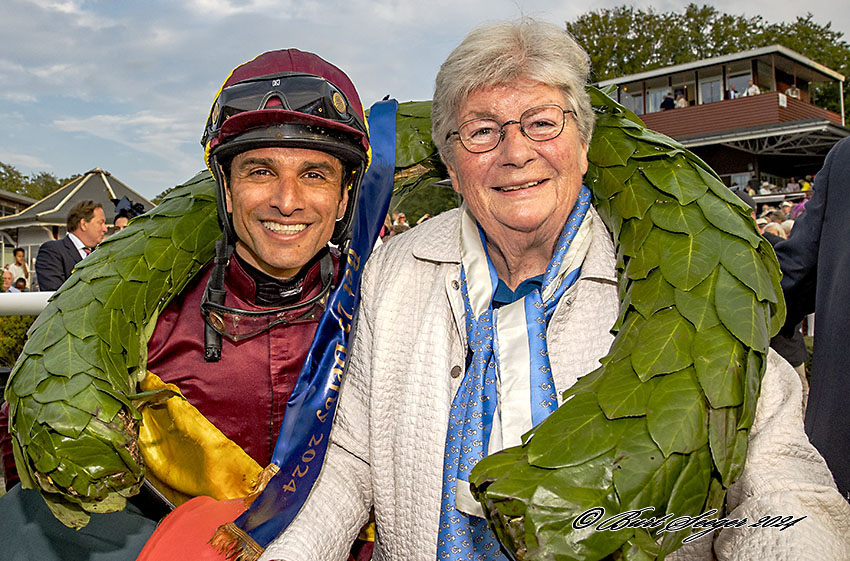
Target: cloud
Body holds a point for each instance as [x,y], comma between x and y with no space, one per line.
[22,160]
[146,132]
[80,16]
[226,8]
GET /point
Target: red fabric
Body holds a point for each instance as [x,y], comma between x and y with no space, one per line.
[244,394]
[184,534]
[7,458]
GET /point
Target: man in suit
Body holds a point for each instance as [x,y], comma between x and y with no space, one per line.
[56,259]
[814,263]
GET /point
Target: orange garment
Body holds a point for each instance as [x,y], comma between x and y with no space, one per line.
[184,534]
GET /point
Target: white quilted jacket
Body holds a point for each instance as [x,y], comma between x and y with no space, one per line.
[407,362]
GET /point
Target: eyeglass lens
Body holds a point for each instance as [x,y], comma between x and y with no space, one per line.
[539,123]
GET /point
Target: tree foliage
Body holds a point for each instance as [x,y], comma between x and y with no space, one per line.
[36,186]
[13,331]
[626,40]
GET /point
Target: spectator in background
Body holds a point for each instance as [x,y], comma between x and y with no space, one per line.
[792,186]
[19,286]
[56,259]
[732,93]
[753,184]
[19,268]
[793,92]
[125,210]
[814,263]
[806,184]
[787,226]
[681,102]
[120,223]
[752,89]
[775,216]
[7,281]
[774,228]
[800,207]
[668,103]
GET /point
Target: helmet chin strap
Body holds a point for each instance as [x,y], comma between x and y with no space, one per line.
[223,250]
[216,293]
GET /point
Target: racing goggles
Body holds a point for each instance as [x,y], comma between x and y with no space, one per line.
[238,325]
[300,93]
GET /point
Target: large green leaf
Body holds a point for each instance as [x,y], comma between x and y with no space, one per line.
[688,495]
[673,217]
[622,393]
[740,311]
[676,178]
[50,332]
[697,304]
[643,476]
[637,198]
[728,443]
[688,260]
[755,366]
[652,294]
[611,180]
[610,150]
[725,218]
[746,265]
[632,236]
[664,345]
[720,364]
[677,413]
[64,358]
[647,257]
[582,431]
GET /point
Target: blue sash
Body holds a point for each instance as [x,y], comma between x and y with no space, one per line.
[303,438]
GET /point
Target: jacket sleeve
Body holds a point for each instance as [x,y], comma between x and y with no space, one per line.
[784,476]
[340,501]
[7,460]
[798,256]
[48,267]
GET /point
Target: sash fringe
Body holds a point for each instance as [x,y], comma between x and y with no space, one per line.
[262,480]
[234,543]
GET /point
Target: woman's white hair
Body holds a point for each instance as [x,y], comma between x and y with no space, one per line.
[501,54]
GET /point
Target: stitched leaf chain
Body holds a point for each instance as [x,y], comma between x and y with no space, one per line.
[671,406]
[73,407]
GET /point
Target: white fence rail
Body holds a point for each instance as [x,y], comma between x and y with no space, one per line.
[23,303]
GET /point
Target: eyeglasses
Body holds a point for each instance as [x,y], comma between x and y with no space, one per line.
[540,123]
[303,93]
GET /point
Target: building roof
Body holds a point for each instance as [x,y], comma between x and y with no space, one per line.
[805,68]
[96,184]
[15,198]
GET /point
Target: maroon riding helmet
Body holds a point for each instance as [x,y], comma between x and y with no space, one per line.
[288,98]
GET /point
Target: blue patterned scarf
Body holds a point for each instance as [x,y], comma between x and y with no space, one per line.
[507,388]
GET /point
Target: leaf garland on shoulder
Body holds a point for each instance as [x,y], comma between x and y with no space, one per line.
[72,401]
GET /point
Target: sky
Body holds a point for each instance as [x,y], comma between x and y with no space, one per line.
[126,85]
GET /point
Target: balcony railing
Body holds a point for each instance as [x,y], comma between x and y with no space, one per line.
[765,109]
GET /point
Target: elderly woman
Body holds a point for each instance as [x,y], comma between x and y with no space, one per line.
[528,263]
